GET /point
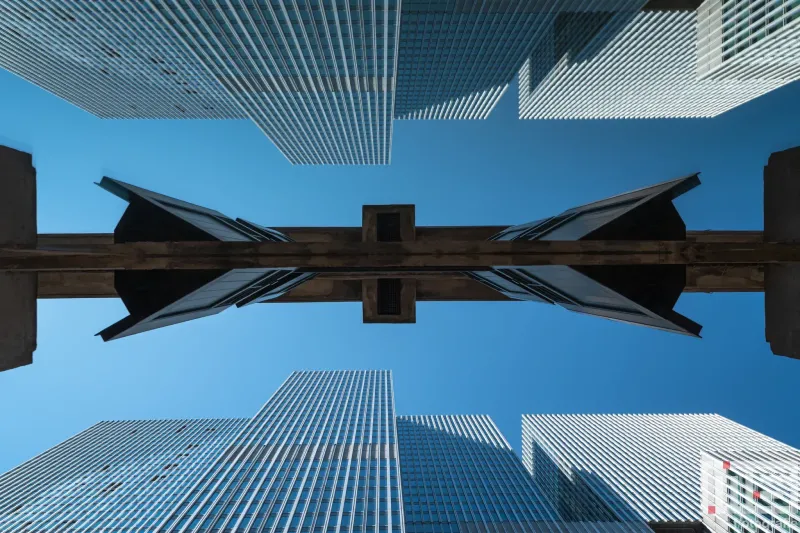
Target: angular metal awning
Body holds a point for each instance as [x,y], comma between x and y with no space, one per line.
[636,294]
[159,298]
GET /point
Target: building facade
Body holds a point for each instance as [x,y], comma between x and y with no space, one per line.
[319,457]
[747,40]
[460,475]
[660,60]
[635,467]
[456,58]
[324,81]
[319,82]
[317,78]
[114,476]
[327,454]
[112,59]
[751,491]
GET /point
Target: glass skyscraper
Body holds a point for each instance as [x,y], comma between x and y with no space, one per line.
[317,78]
[460,475]
[634,467]
[319,457]
[325,80]
[112,477]
[112,59]
[326,454]
[456,58]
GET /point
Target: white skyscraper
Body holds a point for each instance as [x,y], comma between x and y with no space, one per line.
[633,466]
[662,63]
[744,39]
[752,491]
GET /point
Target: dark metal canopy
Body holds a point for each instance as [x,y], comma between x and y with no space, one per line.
[640,294]
[637,294]
[159,298]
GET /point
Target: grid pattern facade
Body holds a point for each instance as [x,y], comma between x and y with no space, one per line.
[746,39]
[112,59]
[319,457]
[318,78]
[112,477]
[643,467]
[460,475]
[751,492]
[457,57]
[641,65]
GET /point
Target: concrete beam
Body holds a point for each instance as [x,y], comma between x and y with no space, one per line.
[377,256]
[435,288]
[389,300]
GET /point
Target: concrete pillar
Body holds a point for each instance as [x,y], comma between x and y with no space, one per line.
[17,227]
[782,224]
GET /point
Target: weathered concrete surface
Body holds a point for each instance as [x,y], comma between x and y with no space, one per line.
[389,301]
[782,223]
[18,290]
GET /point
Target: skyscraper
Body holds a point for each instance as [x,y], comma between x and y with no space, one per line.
[661,59]
[114,476]
[456,58]
[460,475]
[112,59]
[751,491]
[326,454]
[324,81]
[746,40]
[635,467]
[317,78]
[319,457]
[318,81]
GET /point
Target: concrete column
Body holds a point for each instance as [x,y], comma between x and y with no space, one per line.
[17,227]
[782,224]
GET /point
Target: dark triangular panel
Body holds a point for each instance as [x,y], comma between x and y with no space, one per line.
[649,203]
[584,222]
[189,295]
[213,223]
[621,293]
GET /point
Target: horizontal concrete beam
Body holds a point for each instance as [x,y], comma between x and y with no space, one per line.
[422,234]
[430,287]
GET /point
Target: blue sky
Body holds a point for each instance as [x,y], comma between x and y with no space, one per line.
[501,359]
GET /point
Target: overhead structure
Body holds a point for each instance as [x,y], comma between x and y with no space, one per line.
[626,258]
[158,298]
[640,294]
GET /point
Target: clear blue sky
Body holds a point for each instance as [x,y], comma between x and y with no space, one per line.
[501,359]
